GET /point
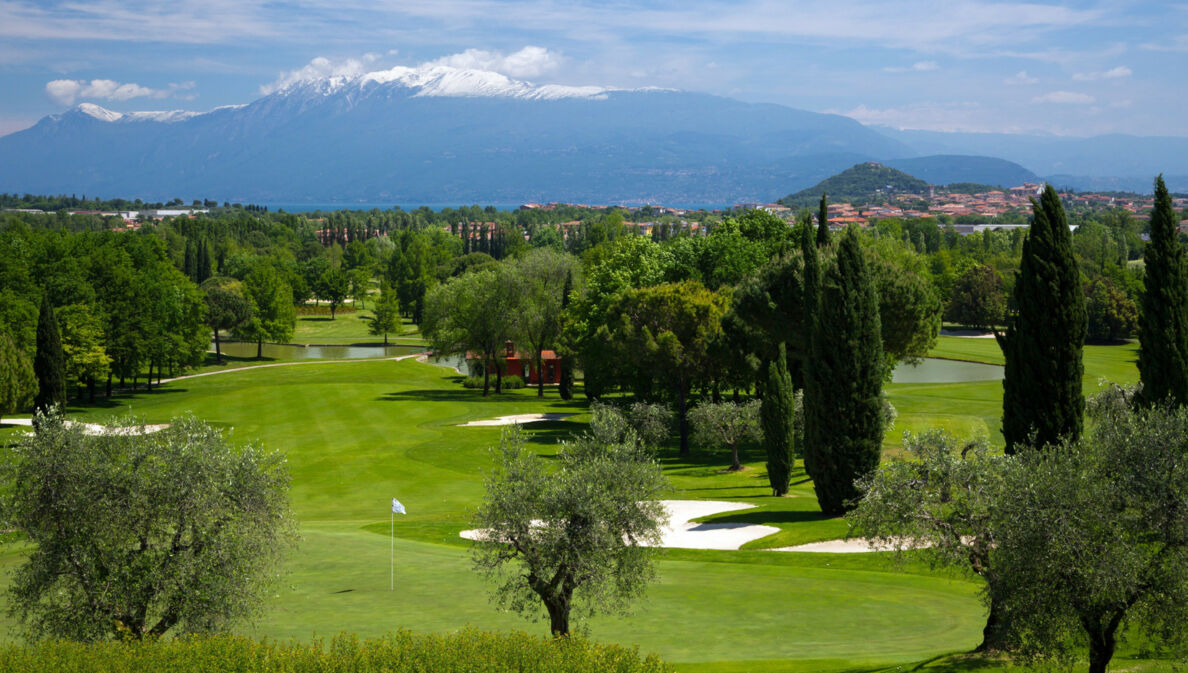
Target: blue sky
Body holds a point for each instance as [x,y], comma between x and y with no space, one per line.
[1078,68]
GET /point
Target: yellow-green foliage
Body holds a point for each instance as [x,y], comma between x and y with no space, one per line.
[469,651]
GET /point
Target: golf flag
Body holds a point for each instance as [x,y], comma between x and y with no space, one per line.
[397,508]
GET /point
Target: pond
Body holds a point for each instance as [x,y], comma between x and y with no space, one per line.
[937,370]
[247,349]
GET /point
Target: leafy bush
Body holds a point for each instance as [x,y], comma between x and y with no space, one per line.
[323,309]
[469,651]
[509,382]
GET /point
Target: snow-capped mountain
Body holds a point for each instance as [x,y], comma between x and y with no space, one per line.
[435,134]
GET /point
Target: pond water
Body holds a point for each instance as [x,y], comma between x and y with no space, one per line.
[246,349]
[937,370]
[455,362]
[931,370]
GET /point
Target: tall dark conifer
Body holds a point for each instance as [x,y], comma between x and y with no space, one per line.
[844,380]
[49,362]
[1163,323]
[203,262]
[823,222]
[190,263]
[1042,398]
[776,415]
[565,388]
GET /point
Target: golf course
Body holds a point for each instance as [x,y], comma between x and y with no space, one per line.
[357,433]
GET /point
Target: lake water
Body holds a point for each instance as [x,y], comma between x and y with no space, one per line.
[936,370]
[244,349]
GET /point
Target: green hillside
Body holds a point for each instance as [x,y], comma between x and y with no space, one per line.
[862,182]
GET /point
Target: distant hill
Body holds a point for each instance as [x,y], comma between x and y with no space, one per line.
[858,183]
[443,135]
[945,169]
[1114,161]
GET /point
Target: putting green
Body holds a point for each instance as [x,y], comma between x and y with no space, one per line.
[357,434]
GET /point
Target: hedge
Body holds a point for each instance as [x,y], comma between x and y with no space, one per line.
[467,651]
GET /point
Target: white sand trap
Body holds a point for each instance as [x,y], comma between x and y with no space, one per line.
[518,418]
[967,333]
[855,546]
[683,533]
[680,532]
[95,428]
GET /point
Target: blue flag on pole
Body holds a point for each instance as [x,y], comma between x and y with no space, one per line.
[397,508]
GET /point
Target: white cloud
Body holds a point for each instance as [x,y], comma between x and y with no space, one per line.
[1112,73]
[527,62]
[1020,77]
[1064,98]
[918,66]
[322,68]
[67,91]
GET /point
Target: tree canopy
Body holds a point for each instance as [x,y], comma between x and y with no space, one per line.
[578,537]
[138,534]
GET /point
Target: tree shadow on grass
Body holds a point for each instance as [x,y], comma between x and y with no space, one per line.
[550,432]
[315,319]
[770,517]
[438,395]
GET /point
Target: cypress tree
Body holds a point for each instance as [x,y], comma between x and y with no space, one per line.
[1042,386]
[190,263]
[1163,322]
[49,362]
[823,222]
[812,288]
[565,388]
[775,414]
[203,262]
[844,380]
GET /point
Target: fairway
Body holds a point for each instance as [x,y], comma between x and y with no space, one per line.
[357,434]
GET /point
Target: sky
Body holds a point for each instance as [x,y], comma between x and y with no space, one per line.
[1070,68]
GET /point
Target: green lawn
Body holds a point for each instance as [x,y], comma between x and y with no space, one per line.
[348,328]
[357,434]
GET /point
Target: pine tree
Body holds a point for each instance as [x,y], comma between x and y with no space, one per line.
[1163,322]
[776,417]
[844,381]
[1042,398]
[823,222]
[49,362]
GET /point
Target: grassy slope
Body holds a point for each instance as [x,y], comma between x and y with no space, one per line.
[388,429]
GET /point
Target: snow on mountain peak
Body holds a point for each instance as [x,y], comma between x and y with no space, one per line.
[435,80]
[100,113]
[105,115]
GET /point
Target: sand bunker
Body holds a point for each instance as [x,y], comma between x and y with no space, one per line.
[94,428]
[518,418]
[856,546]
[683,533]
[967,333]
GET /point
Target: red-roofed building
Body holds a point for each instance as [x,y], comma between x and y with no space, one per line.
[522,365]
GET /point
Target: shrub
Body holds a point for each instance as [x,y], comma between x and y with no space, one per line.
[467,651]
[318,309]
[509,382]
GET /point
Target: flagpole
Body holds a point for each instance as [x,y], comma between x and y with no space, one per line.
[392,556]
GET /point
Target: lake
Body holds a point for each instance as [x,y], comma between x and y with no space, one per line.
[246,349]
[937,370]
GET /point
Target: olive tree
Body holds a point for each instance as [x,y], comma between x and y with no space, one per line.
[938,500]
[1092,536]
[726,425]
[582,534]
[135,534]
